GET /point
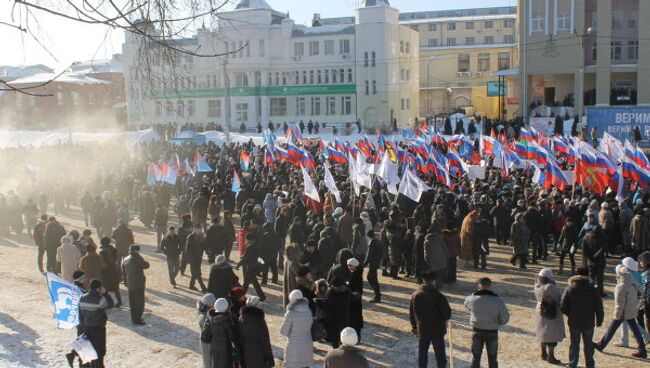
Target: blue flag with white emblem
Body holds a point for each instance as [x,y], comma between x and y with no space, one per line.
[65,301]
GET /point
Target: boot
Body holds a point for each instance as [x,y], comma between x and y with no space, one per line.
[559,272]
[551,356]
[544,354]
[640,354]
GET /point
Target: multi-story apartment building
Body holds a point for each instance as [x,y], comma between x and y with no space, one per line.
[277,71]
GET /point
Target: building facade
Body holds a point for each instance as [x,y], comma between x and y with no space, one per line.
[276,71]
[89,94]
[581,53]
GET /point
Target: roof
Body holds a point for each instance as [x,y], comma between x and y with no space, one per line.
[323,30]
[376,3]
[458,19]
[13,72]
[253,4]
[97,66]
[70,78]
[481,12]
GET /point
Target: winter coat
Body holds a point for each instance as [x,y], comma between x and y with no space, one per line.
[452,240]
[254,338]
[356,303]
[222,279]
[549,330]
[345,357]
[467,238]
[296,327]
[111,273]
[68,255]
[568,237]
[429,312]
[593,244]
[341,269]
[92,265]
[270,205]
[488,311]
[374,256]
[171,245]
[222,342]
[271,245]
[345,228]
[92,309]
[435,252]
[200,210]
[359,245]
[395,239]
[194,248]
[134,266]
[582,304]
[205,347]
[626,296]
[215,239]
[519,237]
[123,237]
[53,234]
[640,233]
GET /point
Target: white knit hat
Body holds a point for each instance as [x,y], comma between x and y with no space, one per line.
[547,273]
[349,337]
[353,262]
[631,264]
[221,305]
[208,299]
[295,296]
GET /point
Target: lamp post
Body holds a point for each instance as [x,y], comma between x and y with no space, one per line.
[429,98]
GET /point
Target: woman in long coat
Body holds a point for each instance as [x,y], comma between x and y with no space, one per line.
[222,339]
[549,331]
[467,236]
[254,336]
[519,237]
[296,327]
[110,273]
[290,266]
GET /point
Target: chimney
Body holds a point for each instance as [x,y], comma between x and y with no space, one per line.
[316,21]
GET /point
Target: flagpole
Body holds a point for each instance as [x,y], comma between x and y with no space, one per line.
[575,174]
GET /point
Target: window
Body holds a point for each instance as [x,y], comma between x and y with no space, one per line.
[433,42]
[180,109]
[463,63]
[469,41]
[633,21]
[407,47]
[329,47]
[262,48]
[278,106]
[373,58]
[344,46]
[594,51]
[319,78]
[214,108]
[508,39]
[299,49]
[403,104]
[342,75]
[367,88]
[433,27]
[469,25]
[91,99]
[538,23]
[488,24]
[158,108]
[105,99]
[334,76]
[401,46]
[117,89]
[301,106]
[75,98]
[311,77]
[374,87]
[241,80]
[59,98]
[615,50]
[633,50]
[564,22]
[504,60]
[346,105]
[349,75]
[451,26]
[617,19]
[408,104]
[489,40]
[241,109]
[365,59]
[483,62]
[247,47]
[314,48]
[169,109]
[191,108]
[330,105]
[315,105]
[508,23]
[327,76]
[451,41]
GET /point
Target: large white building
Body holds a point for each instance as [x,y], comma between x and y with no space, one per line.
[279,71]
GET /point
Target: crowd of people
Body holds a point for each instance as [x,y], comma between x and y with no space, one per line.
[323,248]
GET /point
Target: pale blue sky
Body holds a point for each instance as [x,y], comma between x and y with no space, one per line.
[69,41]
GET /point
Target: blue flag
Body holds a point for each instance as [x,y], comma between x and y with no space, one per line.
[65,301]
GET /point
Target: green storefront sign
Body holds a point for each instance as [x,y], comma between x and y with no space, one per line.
[341,89]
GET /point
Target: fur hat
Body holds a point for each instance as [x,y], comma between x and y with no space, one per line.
[237,293]
[547,273]
[353,262]
[221,305]
[221,260]
[349,337]
[631,264]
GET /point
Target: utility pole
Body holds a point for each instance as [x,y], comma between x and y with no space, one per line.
[226,81]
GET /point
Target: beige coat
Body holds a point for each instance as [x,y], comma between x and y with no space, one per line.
[68,255]
[626,296]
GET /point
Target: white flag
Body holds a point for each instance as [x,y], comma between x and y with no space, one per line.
[612,147]
[411,186]
[353,174]
[363,172]
[387,171]
[331,184]
[65,301]
[537,174]
[310,189]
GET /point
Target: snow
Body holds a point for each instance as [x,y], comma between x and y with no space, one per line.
[22,138]
[72,78]
[253,4]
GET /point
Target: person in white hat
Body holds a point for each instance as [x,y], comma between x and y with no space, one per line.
[203,306]
[346,356]
[217,332]
[549,320]
[633,267]
[296,327]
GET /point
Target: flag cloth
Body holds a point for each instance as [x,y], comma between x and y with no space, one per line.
[245,161]
[352,173]
[363,172]
[330,183]
[388,173]
[236,184]
[310,189]
[65,301]
[168,173]
[200,165]
[153,174]
[411,186]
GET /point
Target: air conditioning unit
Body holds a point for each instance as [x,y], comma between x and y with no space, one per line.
[346,56]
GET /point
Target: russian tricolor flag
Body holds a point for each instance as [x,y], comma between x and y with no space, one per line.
[236,184]
[526,135]
[200,164]
[554,177]
[636,155]
[336,155]
[244,161]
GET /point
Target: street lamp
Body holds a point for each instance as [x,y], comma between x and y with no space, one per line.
[429,97]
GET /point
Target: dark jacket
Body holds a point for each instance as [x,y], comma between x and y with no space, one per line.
[374,256]
[134,266]
[341,269]
[429,312]
[582,304]
[53,234]
[123,237]
[221,280]
[110,273]
[171,245]
[194,248]
[254,338]
[216,240]
[345,357]
[92,309]
[222,341]
[270,246]
[337,315]
[161,217]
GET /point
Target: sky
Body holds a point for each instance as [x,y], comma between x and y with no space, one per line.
[67,41]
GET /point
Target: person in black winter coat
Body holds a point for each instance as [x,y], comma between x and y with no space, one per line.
[171,247]
[534,222]
[135,281]
[419,262]
[184,232]
[271,245]
[252,267]
[254,337]
[194,249]
[93,318]
[568,239]
[219,333]
[593,243]
[373,262]
[111,273]
[355,284]
[54,231]
[341,269]
[222,278]
[337,306]
[215,240]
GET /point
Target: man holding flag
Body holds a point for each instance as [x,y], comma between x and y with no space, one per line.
[93,318]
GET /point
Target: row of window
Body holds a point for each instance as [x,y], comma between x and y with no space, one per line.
[488,24]
[315,48]
[309,77]
[616,50]
[278,107]
[563,21]
[483,62]
[469,41]
[242,49]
